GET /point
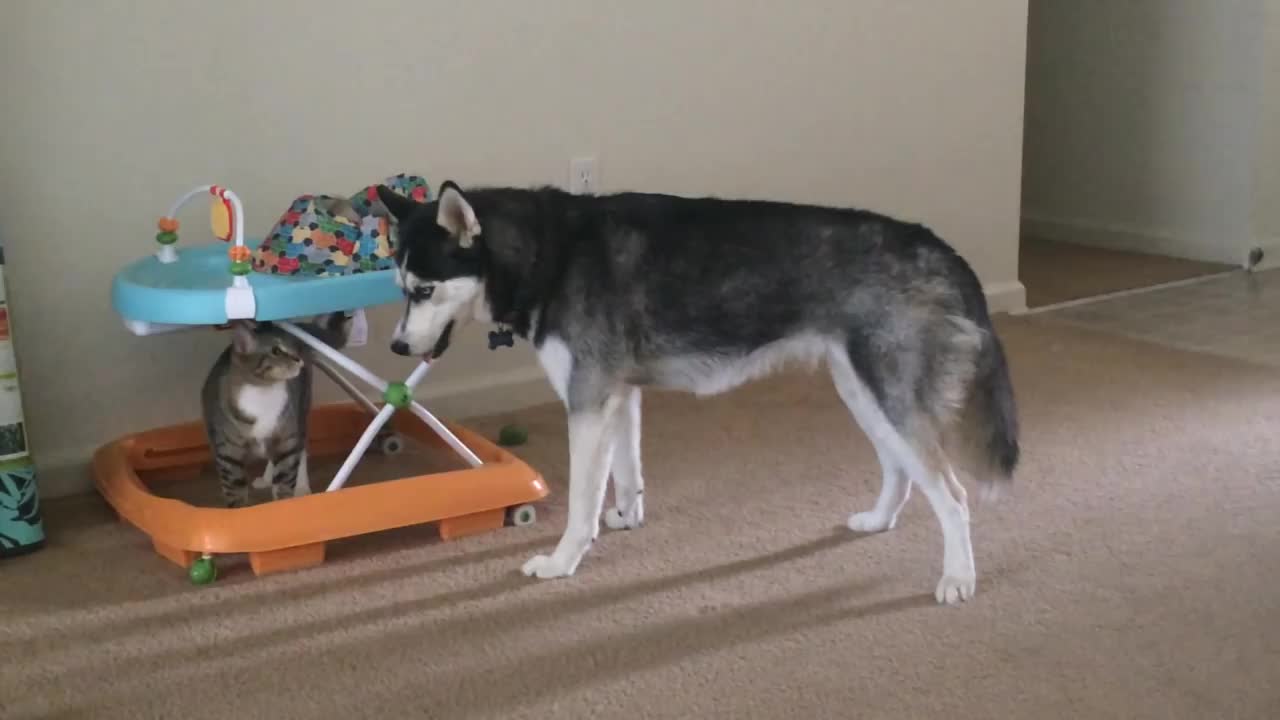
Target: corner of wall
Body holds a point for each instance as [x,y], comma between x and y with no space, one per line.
[1270,247]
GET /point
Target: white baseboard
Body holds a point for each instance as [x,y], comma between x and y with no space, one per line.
[1113,236]
[1006,297]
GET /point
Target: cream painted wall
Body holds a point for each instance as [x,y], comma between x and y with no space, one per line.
[1267,160]
[1141,123]
[913,108]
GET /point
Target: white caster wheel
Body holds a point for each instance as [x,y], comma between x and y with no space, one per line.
[392,445]
[523,515]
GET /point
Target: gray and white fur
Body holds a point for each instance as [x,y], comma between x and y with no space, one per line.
[256,399]
[634,290]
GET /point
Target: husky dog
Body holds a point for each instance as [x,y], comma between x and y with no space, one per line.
[626,291]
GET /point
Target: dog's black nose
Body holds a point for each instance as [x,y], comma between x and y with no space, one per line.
[399,347]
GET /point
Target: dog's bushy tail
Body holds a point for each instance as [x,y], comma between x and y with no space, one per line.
[991,420]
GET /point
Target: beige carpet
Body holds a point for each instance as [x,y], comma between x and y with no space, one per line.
[1134,574]
[1055,272]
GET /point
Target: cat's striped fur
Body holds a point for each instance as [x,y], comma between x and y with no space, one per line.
[256,399]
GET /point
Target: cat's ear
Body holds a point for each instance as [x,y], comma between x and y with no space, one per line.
[242,338]
[398,205]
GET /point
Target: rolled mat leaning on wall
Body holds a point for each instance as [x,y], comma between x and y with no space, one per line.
[21,530]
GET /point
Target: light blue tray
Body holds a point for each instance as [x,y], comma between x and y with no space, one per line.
[192,291]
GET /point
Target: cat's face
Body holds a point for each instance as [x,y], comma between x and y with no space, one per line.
[266,353]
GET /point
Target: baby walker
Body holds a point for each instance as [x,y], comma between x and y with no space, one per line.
[179,289]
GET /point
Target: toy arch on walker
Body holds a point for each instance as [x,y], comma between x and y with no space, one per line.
[182,289]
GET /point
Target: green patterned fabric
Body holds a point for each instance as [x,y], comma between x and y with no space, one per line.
[20,524]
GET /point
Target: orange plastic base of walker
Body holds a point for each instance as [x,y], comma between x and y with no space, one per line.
[290,534]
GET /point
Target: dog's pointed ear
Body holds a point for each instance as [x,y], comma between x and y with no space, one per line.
[456,215]
[243,339]
[398,205]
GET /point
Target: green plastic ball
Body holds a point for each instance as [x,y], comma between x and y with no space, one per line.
[240,268]
[397,395]
[203,571]
[167,237]
[511,435]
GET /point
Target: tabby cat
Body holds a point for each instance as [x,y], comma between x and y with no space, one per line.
[256,399]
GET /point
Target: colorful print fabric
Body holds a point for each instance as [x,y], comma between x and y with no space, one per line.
[330,236]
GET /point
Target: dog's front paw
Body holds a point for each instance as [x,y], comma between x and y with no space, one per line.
[546,567]
[953,589]
[618,519]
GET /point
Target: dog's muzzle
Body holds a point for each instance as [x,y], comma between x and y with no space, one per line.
[400,347]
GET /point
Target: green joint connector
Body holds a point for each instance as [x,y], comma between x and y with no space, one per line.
[167,237]
[397,395]
[240,268]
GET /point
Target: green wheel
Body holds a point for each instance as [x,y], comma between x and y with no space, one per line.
[203,571]
[511,435]
[392,445]
[523,515]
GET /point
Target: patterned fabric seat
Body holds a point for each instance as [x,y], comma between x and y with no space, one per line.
[324,235]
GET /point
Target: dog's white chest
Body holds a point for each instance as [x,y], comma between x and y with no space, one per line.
[263,403]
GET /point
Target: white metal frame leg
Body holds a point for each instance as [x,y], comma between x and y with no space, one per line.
[383,414]
[375,426]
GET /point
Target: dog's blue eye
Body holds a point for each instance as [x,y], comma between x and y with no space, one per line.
[422,292]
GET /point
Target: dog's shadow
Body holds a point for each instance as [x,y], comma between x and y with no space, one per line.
[488,689]
[641,648]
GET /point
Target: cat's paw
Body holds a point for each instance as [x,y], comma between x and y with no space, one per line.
[265,480]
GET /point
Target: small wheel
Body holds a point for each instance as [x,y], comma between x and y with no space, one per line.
[203,571]
[392,445]
[523,515]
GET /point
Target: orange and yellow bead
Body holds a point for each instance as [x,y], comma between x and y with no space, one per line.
[168,234]
[240,256]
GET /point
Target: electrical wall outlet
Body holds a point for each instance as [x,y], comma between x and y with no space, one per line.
[583,176]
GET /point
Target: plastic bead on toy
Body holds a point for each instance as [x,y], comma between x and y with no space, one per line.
[167,236]
[240,255]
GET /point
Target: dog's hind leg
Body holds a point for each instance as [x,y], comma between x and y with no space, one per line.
[921,461]
[947,497]
[628,483]
[592,435]
[895,487]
